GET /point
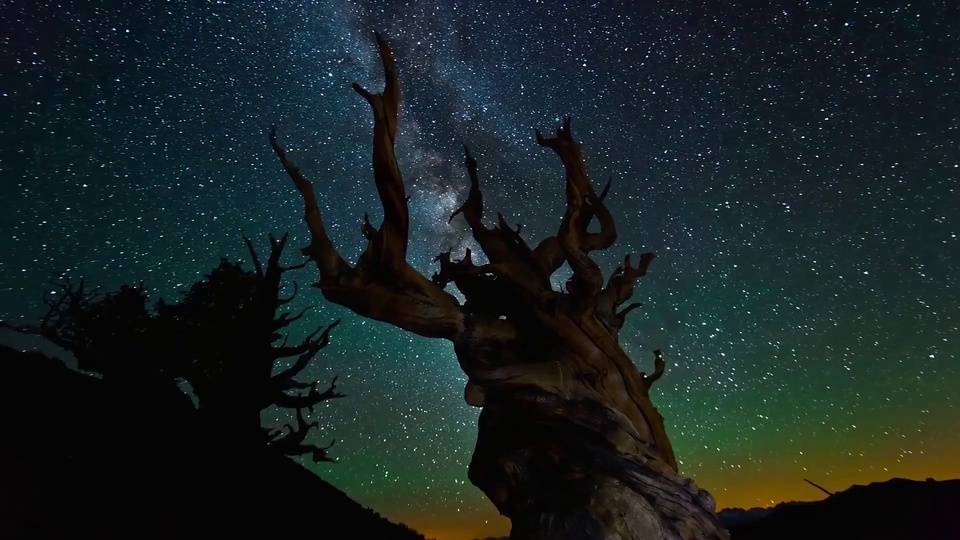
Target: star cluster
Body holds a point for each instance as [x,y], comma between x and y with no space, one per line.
[794,164]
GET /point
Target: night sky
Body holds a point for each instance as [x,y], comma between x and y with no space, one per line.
[795,166]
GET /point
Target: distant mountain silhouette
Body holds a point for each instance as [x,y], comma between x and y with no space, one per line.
[896,509]
[81,457]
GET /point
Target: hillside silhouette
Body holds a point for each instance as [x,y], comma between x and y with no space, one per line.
[80,457]
[159,430]
[897,509]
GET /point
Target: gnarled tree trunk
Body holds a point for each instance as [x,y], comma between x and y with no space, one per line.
[570,445]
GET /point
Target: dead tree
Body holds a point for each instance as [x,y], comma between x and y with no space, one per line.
[570,445]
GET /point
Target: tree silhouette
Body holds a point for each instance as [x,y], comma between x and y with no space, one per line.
[569,443]
[231,322]
[220,338]
[114,334]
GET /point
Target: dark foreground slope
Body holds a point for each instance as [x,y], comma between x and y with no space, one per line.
[78,456]
[896,510]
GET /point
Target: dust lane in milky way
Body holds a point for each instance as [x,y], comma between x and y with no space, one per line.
[794,166]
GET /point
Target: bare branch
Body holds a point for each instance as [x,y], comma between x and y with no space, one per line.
[273,435]
[658,367]
[391,246]
[319,453]
[382,286]
[595,207]
[310,400]
[293,444]
[285,301]
[253,256]
[30,329]
[472,208]
[285,379]
[548,252]
[296,436]
[503,246]
[366,228]
[273,263]
[821,488]
[621,317]
[331,265]
[295,267]
[587,279]
[285,319]
[620,287]
[309,347]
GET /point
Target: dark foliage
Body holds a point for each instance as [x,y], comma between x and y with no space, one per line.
[220,338]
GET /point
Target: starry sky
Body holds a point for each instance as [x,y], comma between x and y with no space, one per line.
[794,164]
